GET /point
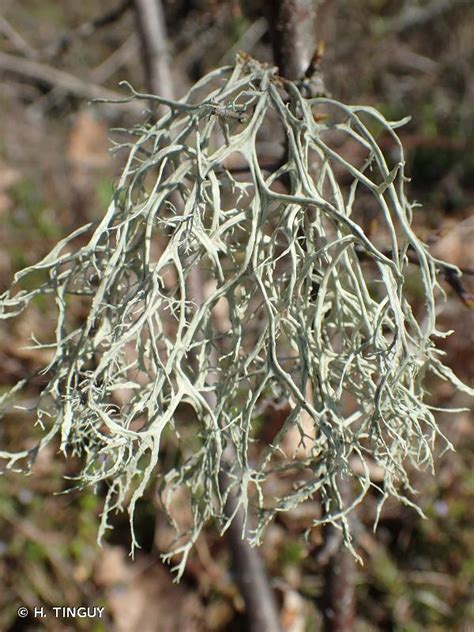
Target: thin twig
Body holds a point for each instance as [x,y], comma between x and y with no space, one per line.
[298,58]
[16,39]
[117,59]
[152,29]
[36,71]
[247,41]
[454,281]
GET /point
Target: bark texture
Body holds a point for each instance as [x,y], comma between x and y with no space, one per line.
[293,31]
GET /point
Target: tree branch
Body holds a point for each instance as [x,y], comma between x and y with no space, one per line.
[292,27]
[118,58]
[340,576]
[37,71]
[155,50]
[16,39]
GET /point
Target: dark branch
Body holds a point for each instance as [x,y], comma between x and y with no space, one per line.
[292,27]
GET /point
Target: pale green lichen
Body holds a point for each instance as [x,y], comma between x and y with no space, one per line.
[313,304]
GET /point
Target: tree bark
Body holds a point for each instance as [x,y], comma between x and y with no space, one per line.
[155,48]
[293,32]
[340,577]
[250,575]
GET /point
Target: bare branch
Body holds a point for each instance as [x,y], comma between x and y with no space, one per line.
[250,575]
[292,24]
[247,564]
[71,84]
[151,25]
[247,41]
[339,610]
[117,59]
[16,39]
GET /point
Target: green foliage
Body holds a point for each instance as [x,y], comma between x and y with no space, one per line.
[291,270]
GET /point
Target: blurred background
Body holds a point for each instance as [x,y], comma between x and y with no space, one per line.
[57,172]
